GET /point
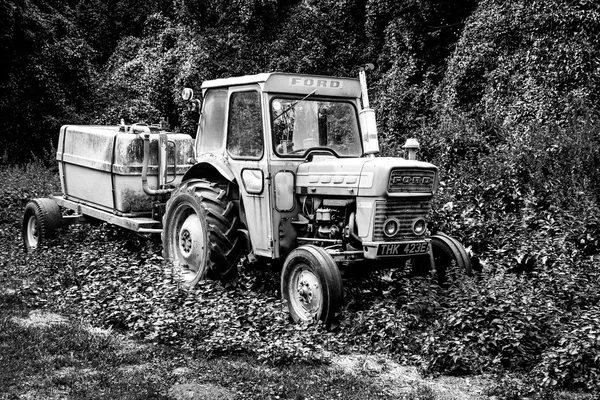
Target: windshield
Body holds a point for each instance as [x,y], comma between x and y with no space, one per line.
[300,125]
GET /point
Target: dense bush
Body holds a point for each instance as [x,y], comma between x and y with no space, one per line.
[574,361]
[495,322]
[45,75]
[522,72]
[472,80]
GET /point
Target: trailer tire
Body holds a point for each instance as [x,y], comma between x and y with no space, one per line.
[446,250]
[200,233]
[311,284]
[41,219]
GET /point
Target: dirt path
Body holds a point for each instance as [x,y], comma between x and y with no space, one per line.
[399,380]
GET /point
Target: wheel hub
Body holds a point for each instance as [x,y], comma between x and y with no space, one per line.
[32,231]
[308,290]
[186,242]
[190,241]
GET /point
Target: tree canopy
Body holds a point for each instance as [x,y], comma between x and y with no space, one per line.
[466,77]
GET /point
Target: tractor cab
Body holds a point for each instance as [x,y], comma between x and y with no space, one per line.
[255,131]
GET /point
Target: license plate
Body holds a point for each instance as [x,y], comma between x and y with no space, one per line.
[400,249]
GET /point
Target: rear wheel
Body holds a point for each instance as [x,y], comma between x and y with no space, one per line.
[446,251]
[200,233]
[41,219]
[311,284]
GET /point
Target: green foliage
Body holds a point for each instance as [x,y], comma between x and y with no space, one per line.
[574,361]
[532,309]
[410,41]
[138,82]
[45,74]
[492,323]
[522,71]
[516,79]
[48,356]
[124,285]
[19,185]
[104,22]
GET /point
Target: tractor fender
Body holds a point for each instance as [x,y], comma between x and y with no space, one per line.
[212,169]
[215,169]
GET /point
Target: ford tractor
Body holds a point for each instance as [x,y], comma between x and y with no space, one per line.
[284,168]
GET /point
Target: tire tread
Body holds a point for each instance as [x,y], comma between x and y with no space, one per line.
[222,225]
[49,219]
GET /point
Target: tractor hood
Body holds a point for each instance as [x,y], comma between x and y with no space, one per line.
[377,176]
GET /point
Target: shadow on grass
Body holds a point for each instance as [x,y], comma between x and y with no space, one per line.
[46,356]
[43,355]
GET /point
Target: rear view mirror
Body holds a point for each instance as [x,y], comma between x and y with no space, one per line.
[187,94]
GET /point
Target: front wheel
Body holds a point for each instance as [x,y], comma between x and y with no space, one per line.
[446,252]
[42,217]
[200,233]
[311,284]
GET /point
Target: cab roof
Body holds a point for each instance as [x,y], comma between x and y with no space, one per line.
[280,82]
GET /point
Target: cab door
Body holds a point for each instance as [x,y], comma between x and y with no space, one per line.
[248,158]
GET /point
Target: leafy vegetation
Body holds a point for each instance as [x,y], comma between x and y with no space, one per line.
[503,97]
[58,359]
[530,316]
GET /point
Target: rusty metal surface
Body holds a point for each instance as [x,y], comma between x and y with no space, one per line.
[102,166]
[138,224]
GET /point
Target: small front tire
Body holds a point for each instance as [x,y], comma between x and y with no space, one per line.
[41,219]
[311,284]
[446,251]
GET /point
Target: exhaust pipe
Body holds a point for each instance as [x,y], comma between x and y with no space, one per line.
[367,115]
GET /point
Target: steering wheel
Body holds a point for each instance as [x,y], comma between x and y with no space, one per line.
[315,150]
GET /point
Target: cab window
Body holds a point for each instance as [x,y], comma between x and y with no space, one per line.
[245,131]
[301,125]
[212,124]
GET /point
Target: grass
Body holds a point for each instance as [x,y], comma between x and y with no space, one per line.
[45,356]
[67,359]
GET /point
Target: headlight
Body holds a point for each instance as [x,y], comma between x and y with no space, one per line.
[419,226]
[391,227]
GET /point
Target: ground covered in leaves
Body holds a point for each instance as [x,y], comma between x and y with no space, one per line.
[530,319]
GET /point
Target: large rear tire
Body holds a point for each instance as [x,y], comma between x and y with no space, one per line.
[200,233]
[41,219]
[311,284]
[446,251]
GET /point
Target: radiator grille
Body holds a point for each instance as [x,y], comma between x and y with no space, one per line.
[411,180]
[404,210]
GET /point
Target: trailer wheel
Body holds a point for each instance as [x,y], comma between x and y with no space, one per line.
[311,284]
[200,233]
[42,217]
[446,250]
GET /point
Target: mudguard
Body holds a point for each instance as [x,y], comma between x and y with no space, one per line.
[210,167]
